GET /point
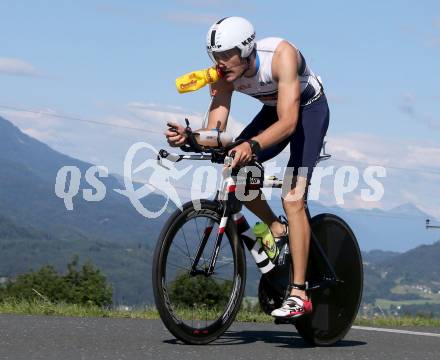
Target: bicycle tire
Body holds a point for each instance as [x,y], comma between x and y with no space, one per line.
[334,308]
[181,330]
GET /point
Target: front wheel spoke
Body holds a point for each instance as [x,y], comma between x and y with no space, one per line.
[186,243]
[224,265]
[178,266]
[220,278]
[182,251]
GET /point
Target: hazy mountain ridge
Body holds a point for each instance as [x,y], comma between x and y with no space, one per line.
[419,265]
[399,229]
[27,194]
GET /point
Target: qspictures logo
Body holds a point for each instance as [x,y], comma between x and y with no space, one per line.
[204,182]
[67,184]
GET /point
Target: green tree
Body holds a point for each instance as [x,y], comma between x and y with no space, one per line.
[44,281]
[87,286]
[187,290]
[84,286]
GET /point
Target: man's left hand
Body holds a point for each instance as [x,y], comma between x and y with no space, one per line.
[243,154]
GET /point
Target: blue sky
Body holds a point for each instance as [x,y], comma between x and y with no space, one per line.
[371,54]
[116,61]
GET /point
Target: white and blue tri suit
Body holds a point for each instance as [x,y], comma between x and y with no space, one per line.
[306,141]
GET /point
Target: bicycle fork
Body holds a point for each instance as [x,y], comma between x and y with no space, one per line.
[228,184]
[231,208]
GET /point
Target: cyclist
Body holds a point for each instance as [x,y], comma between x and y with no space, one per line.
[294,112]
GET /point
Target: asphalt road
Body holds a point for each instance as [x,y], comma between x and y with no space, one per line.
[65,338]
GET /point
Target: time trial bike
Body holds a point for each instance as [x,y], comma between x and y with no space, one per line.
[199,267]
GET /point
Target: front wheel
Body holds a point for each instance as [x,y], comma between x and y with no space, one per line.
[195,307]
[335,307]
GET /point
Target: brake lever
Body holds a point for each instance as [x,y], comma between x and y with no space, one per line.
[163,154]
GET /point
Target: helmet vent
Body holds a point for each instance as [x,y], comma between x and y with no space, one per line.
[213,37]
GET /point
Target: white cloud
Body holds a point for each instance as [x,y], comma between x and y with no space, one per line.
[377,150]
[41,135]
[37,123]
[126,122]
[358,147]
[89,141]
[422,155]
[412,168]
[398,158]
[355,201]
[157,117]
[12,66]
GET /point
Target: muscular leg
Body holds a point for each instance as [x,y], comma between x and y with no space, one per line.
[305,147]
[299,233]
[299,228]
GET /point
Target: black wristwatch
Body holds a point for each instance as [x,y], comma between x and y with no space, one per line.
[255,146]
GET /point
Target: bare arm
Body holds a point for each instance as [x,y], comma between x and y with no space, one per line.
[285,71]
[221,105]
[219,111]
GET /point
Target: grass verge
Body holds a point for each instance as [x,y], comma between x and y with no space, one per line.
[38,307]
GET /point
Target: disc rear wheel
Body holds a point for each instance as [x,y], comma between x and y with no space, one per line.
[335,307]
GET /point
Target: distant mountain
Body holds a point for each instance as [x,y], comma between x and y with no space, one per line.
[36,228]
[416,273]
[398,230]
[24,248]
[419,265]
[10,230]
[27,195]
[375,257]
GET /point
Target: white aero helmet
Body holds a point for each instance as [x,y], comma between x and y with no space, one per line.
[229,33]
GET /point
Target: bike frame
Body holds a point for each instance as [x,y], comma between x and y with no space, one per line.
[243,181]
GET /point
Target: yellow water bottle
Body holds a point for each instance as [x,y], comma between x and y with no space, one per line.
[266,240]
[197,79]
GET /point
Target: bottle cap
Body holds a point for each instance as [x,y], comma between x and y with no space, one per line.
[259,228]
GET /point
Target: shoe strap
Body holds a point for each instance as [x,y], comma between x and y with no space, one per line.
[296,299]
[298,286]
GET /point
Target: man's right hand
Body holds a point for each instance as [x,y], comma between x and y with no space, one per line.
[175,134]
